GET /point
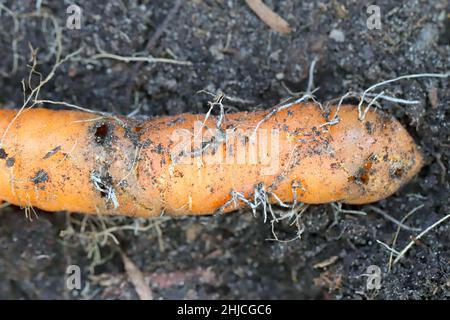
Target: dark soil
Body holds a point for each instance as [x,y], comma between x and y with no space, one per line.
[233,51]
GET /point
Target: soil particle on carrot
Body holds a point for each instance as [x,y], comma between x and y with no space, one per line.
[10,162]
[159,149]
[369,127]
[40,177]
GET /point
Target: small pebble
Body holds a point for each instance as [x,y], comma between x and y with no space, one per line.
[428,35]
[337,35]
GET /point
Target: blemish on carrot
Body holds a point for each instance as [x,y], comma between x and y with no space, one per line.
[40,177]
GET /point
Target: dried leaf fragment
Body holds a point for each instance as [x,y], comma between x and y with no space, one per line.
[269,17]
[326,263]
[137,279]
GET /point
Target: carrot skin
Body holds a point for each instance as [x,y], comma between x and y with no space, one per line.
[78,162]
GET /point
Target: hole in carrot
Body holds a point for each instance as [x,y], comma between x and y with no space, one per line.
[3,154]
[398,172]
[138,129]
[363,174]
[101,133]
[364,177]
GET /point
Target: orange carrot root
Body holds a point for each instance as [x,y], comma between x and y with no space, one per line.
[183,165]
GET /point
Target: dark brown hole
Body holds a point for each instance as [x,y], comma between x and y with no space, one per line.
[364,178]
[3,154]
[398,172]
[101,133]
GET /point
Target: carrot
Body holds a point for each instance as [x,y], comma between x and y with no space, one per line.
[192,165]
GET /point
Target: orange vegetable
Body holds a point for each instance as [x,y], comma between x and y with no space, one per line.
[76,161]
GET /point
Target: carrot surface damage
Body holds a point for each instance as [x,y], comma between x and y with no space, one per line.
[192,164]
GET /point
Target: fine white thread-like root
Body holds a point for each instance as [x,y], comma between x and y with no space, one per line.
[148,59]
[394,241]
[423,233]
[261,201]
[104,188]
[410,76]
